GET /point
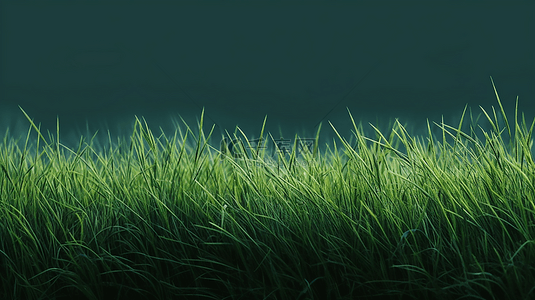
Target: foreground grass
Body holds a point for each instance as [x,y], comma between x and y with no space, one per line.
[152,218]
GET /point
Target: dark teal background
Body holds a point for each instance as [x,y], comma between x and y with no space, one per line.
[100,63]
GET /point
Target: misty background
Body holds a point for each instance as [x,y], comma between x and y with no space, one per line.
[97,65]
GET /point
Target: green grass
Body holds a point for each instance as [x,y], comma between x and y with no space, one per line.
[447,217]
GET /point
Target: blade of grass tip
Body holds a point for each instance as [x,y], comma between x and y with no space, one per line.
[357,131]
[153,147]
[459,129]
[352,120]
[392,136]
[241,148]
[205,144]
[316,141]
[431,146]
[522,140]
[6,134]
[25,151]
[295,149]
[490,120]
[382,137]
[515,147]
[204,137]
[246,139]
[185,136]
[344,142]
[199,152]
[200,125]
[466,136]
[529,142]
[147,135]
[261,137]
[501,108]
[57,138]
[223,147]
[138,141]
[443,134]
[495,117]
[231,144]
[33,124]
[388,146]
[280,155]
[475,142]
[477,118]
[176,169]
[521,147]
[525,140]
[407,140]
[40,137]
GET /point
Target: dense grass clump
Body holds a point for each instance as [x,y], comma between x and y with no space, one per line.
[160,218]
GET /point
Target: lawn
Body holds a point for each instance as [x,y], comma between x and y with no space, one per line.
[172,217]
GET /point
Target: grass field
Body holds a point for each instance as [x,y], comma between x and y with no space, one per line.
[447,217]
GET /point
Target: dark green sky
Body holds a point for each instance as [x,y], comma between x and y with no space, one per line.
[298,63]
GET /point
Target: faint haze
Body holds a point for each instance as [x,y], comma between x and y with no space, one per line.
[98,65]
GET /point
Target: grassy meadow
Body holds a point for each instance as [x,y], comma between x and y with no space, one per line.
[157,217]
